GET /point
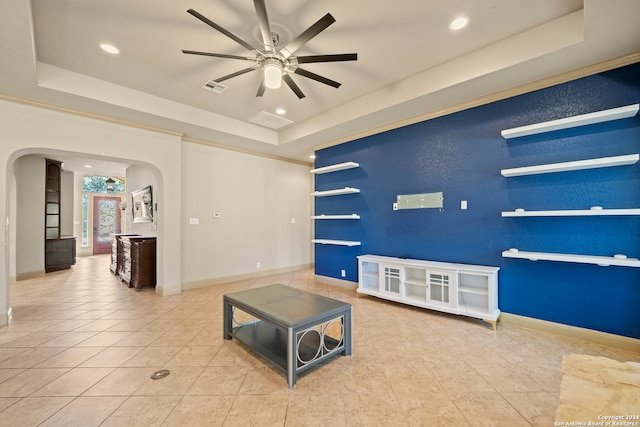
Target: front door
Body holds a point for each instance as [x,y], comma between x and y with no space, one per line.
[106,222]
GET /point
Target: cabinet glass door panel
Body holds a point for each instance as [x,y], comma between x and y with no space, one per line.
[391,280]
[52,220]
[53,208]
[369,276]
[440,288]
[53,197]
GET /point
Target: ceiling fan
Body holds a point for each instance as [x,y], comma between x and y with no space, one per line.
[277,64]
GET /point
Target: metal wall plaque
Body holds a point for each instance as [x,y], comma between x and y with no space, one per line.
[419,201]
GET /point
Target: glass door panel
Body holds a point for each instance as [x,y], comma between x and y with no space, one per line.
[440,288]
[391,280]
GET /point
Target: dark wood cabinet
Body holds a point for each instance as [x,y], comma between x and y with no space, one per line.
[138,261]
[60,254]
[116,252]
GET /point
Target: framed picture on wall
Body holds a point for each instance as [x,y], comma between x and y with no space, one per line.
[142,205]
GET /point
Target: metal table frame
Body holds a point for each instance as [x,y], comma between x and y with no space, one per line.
[290,326]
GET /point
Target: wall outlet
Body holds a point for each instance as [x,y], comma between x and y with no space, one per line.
[463,204]
[194,221]
[343,273]
[293,220]
[395,206]
[257,265]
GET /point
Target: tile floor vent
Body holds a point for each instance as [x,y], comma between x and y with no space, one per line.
[269,120]
[213,86]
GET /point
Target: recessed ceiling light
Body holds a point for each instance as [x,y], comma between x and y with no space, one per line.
[281,111]
[109,48]
[88,166]
[459,23]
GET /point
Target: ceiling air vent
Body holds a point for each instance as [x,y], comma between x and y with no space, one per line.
[213,86]
[269,120]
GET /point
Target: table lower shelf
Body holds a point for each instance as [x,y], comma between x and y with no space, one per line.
[271,343]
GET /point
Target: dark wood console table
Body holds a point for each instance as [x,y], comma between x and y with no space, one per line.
[116,252]
[138,261]
[292,328]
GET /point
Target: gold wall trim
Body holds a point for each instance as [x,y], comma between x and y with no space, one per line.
[606,339]
[498,96]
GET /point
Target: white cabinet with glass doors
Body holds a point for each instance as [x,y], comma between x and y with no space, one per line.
[470,290]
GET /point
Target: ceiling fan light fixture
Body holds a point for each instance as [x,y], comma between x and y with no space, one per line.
[275,63]
[272,73]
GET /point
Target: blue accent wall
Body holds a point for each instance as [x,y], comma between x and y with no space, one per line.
[462,155]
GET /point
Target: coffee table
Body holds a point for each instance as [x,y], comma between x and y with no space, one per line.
[292,328]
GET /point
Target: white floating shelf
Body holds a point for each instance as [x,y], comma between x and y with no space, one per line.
[335,168]
[574,212]
[604,261]
[336,242]
[603,162]
[345,190]
[571,122]
[352,216]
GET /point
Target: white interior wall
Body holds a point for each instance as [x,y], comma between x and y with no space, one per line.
[77,216]
[66,204]
[30,179]
[139,177]
[12,193]
[257,199]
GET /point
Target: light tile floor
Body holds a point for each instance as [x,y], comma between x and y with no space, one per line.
[82,347]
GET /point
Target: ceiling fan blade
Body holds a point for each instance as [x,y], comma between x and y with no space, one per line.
[265,29]
[307,35]
[325,58]
[237,73]
[261,88]
[316,77]
[294,87]
[222,30]
[217,55]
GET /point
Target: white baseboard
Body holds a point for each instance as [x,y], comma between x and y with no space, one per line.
[164,293]
[611,340]
[336,282]
[30,275]
[5,318]
[234,278]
